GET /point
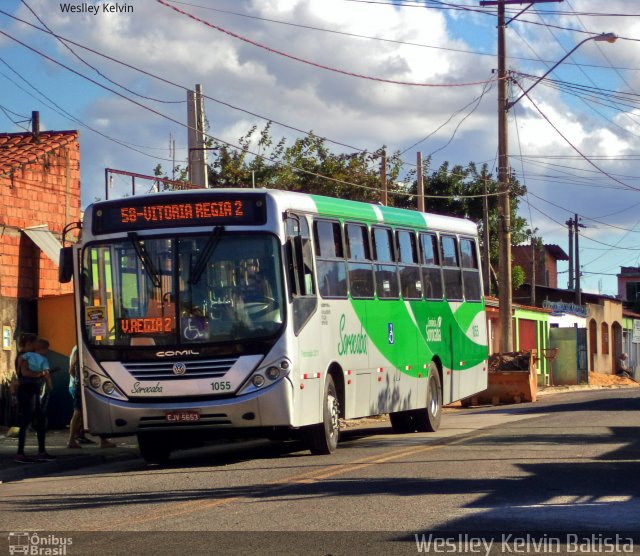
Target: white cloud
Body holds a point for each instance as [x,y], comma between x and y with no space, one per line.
[355,111]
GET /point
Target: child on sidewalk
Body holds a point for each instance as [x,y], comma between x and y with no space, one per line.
[31,368]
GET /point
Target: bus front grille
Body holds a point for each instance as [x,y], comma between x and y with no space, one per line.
[177,370]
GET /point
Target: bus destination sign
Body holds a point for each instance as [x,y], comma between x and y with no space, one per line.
[153,325]
[177,211]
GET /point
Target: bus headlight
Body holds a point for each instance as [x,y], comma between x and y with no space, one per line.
[272,373]
[108,388]
[258,380]
[94,380]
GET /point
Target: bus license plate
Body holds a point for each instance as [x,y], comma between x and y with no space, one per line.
[180,416]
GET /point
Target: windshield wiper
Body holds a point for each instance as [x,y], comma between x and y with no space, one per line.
[201,264]
[145,259]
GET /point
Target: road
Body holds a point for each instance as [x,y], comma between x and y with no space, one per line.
[568,464]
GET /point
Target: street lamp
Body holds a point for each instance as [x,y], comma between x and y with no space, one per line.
[505,297]
[604,37]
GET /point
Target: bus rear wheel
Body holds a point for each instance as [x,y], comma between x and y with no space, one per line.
[154,448]
[428,419]
[322,438]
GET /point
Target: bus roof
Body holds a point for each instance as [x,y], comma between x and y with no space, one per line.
[369,212]
[331,207]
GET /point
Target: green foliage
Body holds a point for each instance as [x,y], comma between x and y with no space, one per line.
[460,190]
[303,166]
[517,277]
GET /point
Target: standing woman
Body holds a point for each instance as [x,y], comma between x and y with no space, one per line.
[75,427]
[29,384]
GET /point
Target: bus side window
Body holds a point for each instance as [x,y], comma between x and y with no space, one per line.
[359,260]
[387,273]
[330,264]
[300,270]
[451,268]
[431,271]
[470,270]
[410,280]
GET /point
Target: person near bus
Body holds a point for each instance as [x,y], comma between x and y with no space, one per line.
[30,377]
[76,432]
[623,366]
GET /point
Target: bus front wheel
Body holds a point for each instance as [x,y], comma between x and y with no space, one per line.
[322,438]
[154,448]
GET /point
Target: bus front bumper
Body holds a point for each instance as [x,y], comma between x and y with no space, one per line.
[269,407]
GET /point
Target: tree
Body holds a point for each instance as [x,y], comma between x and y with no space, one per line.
[458,191]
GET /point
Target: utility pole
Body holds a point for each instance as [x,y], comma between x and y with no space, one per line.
[197,153]
[569,224]
[420,186]
[383,178]
[534,243]
[504,204]
[486,267]
[577,226]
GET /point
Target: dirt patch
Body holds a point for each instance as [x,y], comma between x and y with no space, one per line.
[601,379]
[515,361]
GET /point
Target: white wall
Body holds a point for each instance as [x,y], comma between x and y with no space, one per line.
[568,321]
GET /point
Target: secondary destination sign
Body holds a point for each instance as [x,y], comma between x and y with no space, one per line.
[163,211]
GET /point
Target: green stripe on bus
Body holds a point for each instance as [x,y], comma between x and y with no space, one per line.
[341,208]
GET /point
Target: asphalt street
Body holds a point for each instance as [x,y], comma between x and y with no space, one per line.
[567,465]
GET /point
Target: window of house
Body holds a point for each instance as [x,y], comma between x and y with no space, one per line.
[451,268]
[470,270]
[409,269]
[330,264]
[633,292]
[431,271]
[360,267]
[386,271]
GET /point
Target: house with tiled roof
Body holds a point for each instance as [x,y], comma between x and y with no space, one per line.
[39,196]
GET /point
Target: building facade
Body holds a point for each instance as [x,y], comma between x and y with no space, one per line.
[39,196]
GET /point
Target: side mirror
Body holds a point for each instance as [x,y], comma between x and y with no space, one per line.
[65,266]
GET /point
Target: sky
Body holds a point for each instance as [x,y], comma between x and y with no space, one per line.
[411,75]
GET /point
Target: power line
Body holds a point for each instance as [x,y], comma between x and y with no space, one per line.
[576,148]
[174,84]
[315,64]
[477,100]
[59,110]
[221,141]
[6,112]
[96,69]
[380,39]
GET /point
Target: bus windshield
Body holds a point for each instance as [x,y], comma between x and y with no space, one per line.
[182,290]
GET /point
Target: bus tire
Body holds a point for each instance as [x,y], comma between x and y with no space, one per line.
[154,448]
[428,419]
[322,438]
[401,422]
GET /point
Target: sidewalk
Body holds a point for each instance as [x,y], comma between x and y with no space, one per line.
[66,458]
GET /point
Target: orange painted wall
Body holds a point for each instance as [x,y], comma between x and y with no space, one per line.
[56,322]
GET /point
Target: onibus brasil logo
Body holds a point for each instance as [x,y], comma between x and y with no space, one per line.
[39,544]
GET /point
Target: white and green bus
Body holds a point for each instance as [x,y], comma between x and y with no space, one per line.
[213,312]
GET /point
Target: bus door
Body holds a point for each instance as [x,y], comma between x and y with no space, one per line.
[452,279]
[305,324]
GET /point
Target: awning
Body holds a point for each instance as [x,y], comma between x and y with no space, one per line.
[46,241]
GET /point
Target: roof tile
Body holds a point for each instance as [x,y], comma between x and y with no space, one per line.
[18,149]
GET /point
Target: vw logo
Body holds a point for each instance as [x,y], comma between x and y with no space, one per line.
[179,368]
